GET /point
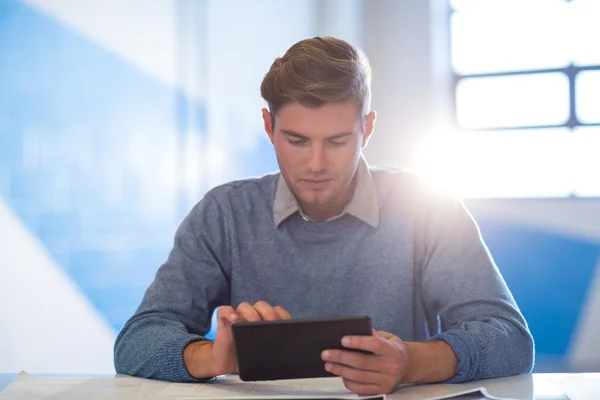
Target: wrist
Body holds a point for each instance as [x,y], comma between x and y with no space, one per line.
[412,375]
[430,362]
[197,358]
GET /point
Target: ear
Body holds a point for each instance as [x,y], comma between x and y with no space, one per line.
[369,127]
[266,115]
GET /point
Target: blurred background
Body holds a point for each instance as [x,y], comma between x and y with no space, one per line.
[116,116]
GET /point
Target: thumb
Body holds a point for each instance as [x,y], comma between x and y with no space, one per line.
[226,315]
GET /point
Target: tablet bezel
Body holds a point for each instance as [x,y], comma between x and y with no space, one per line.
[291,349]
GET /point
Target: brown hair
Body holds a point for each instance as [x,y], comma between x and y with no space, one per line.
[317,71]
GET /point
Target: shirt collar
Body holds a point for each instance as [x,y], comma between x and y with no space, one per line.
[363,205]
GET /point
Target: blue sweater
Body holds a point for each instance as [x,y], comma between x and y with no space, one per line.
[423,274]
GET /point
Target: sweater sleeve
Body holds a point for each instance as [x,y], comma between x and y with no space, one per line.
[463,288]
[177,307]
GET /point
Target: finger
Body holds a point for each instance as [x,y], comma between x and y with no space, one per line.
[362,388]
[375,344]
[267,313]
[354,374]
[248,313]
[227,313]
[282,313]
[353,359]
[385,335]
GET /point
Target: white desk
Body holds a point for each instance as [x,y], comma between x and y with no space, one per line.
[537,386]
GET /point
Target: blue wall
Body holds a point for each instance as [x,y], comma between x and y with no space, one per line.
[90,155]
[69,166]
[550,276]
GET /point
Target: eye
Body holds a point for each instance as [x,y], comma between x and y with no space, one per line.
[298,142]
[337,143]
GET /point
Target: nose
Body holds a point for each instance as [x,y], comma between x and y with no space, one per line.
[316,161]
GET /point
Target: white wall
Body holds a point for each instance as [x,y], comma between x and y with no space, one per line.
[584,353]
[140,31]
[217,53]
[406,43]
[47,325]
[244,40]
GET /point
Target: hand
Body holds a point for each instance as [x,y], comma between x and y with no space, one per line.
[368,374]
[224,359]
[205,359]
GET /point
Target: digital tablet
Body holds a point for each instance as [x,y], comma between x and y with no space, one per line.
[291,349]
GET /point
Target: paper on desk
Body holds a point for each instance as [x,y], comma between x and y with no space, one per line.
[333,388]
[512,388]
[32,387]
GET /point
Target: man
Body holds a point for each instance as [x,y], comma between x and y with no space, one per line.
[329,236]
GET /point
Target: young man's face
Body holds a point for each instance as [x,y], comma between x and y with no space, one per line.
[318,150]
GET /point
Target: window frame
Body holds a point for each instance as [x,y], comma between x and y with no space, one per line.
[571,71]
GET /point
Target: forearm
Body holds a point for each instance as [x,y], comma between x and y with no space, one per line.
[153,347]
[431,362]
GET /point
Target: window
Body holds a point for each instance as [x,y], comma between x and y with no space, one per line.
[526,97]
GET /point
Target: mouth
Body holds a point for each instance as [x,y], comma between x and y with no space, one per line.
[316,184]
[316,180]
